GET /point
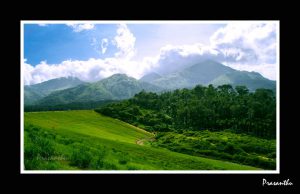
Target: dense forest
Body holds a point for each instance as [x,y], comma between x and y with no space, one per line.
[68,106]
[221,122]
[201,108]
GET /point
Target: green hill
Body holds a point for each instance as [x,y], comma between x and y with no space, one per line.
[251,79]
[73,140]
[150,77]
[210,72]
[115,87]
[33,93]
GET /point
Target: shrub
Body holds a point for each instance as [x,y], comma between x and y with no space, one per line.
[81,157]
[122,161]
[132,168]
[110,166]
[272,155]
[98,163]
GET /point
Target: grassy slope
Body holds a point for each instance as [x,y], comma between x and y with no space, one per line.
[119,140]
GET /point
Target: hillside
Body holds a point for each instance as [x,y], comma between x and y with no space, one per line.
[150,77]
[252,80]
[120,86]
[86,140]
[210,72]
[33,93]
[115,87]
[181,117]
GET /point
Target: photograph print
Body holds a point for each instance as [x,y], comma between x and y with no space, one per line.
[150,97]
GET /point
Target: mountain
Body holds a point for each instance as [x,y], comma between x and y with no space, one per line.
[115,87]
[211,72]
[49,86]
[150,77]
[33,93]
[200,73]
[252,80]
[31,96]
[120,86]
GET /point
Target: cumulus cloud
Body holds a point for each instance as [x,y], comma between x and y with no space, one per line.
[242,46]
[81,27]
[104,44]
[124,41]
[250,47]
[247,43]
[90,70]
[27,73]
[173,58]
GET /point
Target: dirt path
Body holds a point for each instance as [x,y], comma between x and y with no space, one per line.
[141,141]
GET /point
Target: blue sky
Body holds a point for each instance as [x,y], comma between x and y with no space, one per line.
[93,51]
[56,43]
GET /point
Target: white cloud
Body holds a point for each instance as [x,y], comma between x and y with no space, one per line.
[90,70]
[243,46]
[125,42]
[81,27]
[27,73]
[104,44]
[247,43]
[250,47]
[266,70]
[42,24]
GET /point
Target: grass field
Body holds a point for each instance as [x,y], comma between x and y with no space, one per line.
[76,140]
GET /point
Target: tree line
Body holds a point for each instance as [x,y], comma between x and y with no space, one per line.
[69,106]
[201,108]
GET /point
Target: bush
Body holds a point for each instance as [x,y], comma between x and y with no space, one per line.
[38,143]
[132,168]
[81,157]
[229,148]
[239,158]
[31,163]
[272,155]
[110,166]
[122,161]
[39,148]
[98,163]
[46,147]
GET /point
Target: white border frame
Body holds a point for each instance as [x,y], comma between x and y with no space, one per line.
[23,171]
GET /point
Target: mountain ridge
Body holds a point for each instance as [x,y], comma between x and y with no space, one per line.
[35,92]
[115,87]
[120,86]
[215,73]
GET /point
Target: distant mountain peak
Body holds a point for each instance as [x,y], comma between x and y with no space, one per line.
[116,87]
[210,72]
[71,77]
[37,91]
[115,77]
[119,75]
[150,77]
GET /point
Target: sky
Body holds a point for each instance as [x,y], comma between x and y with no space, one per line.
[92,51]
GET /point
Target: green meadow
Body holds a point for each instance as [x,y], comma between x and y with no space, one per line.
[86,140]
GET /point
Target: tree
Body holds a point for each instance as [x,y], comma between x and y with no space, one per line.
[242,90]
[201,108]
